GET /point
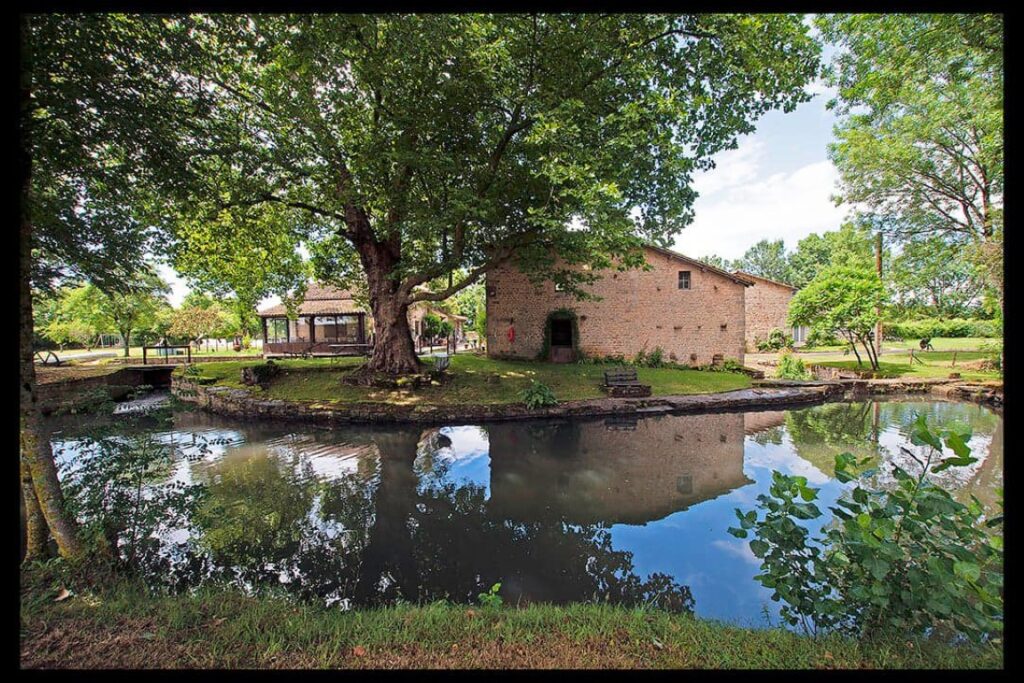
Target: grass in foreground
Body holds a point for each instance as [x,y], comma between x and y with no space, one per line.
[475,380]
[126,627]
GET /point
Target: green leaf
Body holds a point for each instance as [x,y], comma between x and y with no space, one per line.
[967,570]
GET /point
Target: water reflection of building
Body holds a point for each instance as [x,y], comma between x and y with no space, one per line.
[755,423]
[586,472]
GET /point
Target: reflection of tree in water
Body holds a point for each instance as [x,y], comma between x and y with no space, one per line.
[820,433]
[547,561]
[414,536]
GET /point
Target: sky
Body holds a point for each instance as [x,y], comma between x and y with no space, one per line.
[777,184]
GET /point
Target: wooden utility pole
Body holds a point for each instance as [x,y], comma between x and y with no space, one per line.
[878,268]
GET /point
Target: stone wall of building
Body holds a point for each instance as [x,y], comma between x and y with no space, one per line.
[767,305]
[638,310]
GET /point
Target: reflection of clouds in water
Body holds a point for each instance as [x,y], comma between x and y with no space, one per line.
[954,477]
[738,548]
[467,459]
[782,458]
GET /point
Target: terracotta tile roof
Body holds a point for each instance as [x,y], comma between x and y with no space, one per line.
[320,300]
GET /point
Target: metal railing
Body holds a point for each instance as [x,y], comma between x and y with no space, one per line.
[168,357]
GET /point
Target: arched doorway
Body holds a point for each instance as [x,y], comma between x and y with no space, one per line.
[561,334]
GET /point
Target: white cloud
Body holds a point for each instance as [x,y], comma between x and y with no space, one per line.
[732,167]
[735,210]
[178,287]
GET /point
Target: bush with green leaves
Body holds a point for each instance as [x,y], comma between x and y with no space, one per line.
[118,488]
[791,367]
[538,395]
[903,559]
[650,359]
[821,338]
[777,340]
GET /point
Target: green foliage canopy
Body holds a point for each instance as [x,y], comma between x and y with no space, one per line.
[841,300]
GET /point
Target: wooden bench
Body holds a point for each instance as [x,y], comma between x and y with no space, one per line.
[623,382]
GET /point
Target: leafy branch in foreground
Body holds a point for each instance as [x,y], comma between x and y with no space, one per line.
[904,560]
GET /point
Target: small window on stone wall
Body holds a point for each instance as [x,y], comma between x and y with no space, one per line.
[684,279]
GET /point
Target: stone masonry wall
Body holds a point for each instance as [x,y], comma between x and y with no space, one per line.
[638,310]
[767,305]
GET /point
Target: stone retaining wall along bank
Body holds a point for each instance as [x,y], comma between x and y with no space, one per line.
[245,404]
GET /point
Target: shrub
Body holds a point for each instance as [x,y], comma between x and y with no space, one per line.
[538,395]
[899,560]
[491,599]
[260,374]
[117,489]
[821,338]
[791,367]
[777,339]
[650,359]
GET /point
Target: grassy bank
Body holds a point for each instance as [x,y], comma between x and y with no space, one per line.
[933,364]
[124,626]
[474,380]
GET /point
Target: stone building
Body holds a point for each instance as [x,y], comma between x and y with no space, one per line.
[693,311]
[767,306]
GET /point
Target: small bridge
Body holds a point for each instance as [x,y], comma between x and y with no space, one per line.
[153,375]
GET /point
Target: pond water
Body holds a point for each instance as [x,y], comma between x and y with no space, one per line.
[628,511]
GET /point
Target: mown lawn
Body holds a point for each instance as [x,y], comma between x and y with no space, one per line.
[124,626]
[935,364]
[474,380]
[938,343]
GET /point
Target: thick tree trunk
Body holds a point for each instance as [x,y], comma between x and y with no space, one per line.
[35,446]
[35,529]
[393,351]
[125,341]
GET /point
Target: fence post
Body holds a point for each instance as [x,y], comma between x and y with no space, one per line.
[954,359]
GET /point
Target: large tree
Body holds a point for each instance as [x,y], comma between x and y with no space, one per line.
[920,141]
[411,146]
[932,276]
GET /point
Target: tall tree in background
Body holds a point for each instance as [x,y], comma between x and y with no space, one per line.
[244,254]
[129,308]
[768,259]
[850,245]
[921,138]
[717,261]
[417,145]
[932,276]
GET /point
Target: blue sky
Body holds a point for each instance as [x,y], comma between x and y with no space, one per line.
[776,184]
